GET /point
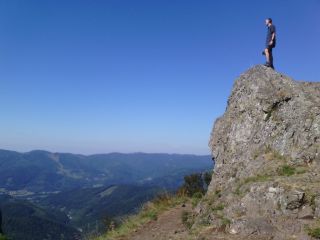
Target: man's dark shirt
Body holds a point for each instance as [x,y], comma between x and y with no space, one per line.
[271,29]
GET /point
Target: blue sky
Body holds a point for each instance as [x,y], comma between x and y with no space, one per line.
[127,76]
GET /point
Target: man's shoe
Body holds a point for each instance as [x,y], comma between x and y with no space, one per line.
[267,64]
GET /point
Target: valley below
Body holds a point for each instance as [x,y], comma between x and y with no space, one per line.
[46,195]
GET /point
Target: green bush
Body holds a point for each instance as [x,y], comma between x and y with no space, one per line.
[196,182]
[193,183]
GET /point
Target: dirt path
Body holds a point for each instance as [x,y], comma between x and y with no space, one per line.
[168,226]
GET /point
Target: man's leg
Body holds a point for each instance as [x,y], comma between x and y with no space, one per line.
[266,51]
[271,58]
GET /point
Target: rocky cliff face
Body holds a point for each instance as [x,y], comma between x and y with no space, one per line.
[266,147]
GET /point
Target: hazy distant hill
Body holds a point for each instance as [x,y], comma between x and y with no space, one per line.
[38,171]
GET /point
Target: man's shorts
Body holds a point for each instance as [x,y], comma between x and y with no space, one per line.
[269,47]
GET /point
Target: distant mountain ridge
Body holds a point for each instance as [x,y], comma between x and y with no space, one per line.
[38,171]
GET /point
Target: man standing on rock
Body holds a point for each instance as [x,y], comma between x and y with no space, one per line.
[270,43]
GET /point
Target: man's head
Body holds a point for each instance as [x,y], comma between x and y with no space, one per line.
[268,21]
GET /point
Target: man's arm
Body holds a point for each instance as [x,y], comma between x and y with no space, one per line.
[273,35]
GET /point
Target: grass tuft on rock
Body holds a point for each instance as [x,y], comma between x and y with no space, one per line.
[286,170]
[314,232]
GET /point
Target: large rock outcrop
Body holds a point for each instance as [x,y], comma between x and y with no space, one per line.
[266,147]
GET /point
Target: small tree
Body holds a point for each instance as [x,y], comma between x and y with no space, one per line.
[193,184]
[196,183]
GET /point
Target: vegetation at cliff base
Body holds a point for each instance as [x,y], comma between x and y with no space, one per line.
[192,191]
[148,212]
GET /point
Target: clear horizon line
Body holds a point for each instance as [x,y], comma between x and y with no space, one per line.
[102,153]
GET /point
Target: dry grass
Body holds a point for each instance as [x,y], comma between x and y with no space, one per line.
[149,212]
